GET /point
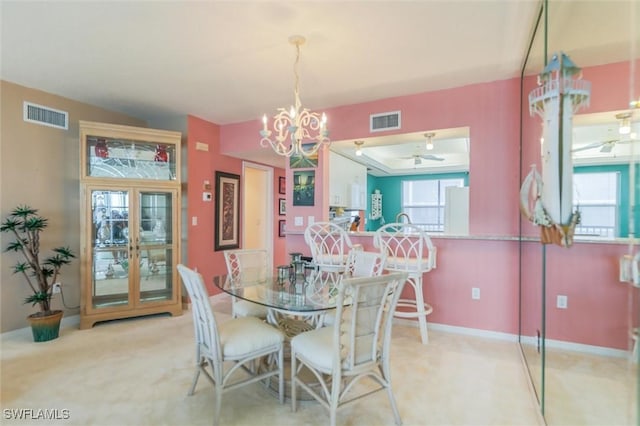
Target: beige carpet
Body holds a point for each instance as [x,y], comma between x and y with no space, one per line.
[138,372]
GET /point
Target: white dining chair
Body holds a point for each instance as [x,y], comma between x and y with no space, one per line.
[248,265]
[409,249]
[244,342]
[359,264]
[356,347]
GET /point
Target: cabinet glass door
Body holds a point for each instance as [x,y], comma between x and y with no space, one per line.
[110,247]
[156,238]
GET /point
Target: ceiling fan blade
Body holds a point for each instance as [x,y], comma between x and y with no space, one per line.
[590,146]
[607,146]
[432,157]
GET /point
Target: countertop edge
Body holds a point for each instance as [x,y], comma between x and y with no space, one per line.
[577,240]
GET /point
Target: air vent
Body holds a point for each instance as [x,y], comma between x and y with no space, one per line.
[46,116]
[384,121]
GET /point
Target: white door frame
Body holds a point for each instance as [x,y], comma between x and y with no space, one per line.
[268,213]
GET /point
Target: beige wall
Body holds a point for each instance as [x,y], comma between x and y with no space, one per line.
[39,166]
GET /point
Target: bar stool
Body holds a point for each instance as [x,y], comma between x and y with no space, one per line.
[409,249]
[329,245]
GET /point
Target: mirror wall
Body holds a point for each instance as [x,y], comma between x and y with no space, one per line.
[579,355]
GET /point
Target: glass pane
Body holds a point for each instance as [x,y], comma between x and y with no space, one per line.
[156,274]
[600,188]
[424,201]
[596,196]
[420,192]
[156,239]
[110,269]
[130,159]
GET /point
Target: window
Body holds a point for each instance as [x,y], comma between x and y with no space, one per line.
[596,195]
[424,201]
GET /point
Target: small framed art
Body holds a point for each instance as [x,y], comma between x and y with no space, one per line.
[283,207]
[227,215]
[281,225]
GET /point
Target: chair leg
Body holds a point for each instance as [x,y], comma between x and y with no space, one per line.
[281,374]
[422,316]
[394,407]
[294,398]
[218,407]
[333,403]
[195,380]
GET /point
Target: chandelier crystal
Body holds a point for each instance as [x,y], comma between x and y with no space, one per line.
[297,126]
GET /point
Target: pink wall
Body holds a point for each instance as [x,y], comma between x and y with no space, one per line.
[202,166]
[586,273]
[489,109]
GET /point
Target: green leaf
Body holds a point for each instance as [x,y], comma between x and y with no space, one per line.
[38,297]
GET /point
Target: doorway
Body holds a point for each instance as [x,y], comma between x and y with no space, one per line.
[257,207]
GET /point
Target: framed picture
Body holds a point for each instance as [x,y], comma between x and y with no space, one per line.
[281,224]
[227,217]
[283,207]
[282,185]
[299,161]
[304,188]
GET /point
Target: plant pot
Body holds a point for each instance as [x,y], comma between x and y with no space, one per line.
[45,327]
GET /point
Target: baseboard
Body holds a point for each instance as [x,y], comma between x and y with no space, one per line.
[530,340]
[460,330]
[577,347]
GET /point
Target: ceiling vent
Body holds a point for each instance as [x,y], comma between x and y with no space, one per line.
[46,116]
[384,121]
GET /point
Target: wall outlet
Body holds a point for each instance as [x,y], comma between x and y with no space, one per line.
[475,293]
[561,302]
[57,288]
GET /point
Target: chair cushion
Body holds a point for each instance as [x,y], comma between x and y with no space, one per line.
[315,346]
[242,336]
[244,308]
[330,259]
[408,265]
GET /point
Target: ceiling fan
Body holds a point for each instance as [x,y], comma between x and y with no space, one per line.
[607,146]
[417,158]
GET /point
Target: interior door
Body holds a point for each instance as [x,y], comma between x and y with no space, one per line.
[257,208]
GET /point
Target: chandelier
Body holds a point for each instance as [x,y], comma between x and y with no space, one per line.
[296,131]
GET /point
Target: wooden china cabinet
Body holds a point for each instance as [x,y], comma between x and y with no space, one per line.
[130,219]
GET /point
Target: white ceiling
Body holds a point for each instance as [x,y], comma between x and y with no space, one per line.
[230,61]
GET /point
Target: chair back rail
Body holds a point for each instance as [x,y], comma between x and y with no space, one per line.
[328,242]
[407,247]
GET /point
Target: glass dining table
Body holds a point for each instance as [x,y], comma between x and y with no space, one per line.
[295,303]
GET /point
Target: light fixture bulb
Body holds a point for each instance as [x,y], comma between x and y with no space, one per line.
[625,127]
[359,147]
[625,123]
[429,144]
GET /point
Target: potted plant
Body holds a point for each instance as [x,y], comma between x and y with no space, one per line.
[26,225]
